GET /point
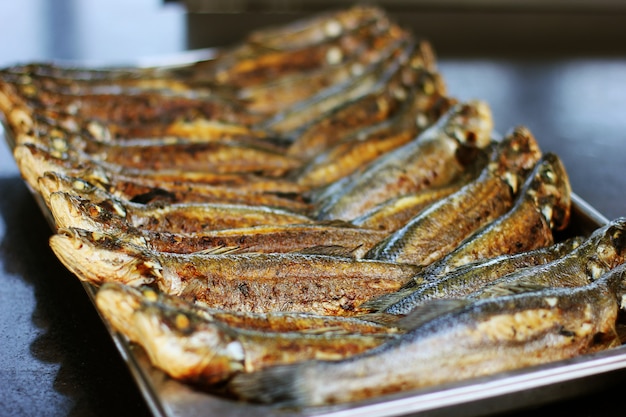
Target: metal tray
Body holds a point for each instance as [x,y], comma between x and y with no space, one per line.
[496,393]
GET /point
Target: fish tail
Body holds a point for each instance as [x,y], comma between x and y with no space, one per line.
[281,384]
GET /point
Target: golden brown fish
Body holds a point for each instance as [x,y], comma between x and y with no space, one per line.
[476,339]
[442,226]
[253,282]
[432,159]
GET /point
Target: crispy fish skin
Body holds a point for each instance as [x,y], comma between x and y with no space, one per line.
[202,349]
[268,239]
[468,278]
[369,109]
[396,212]
[51,182]
[484,338]
[289,124]
[257,282]
[442,226]
[543,206]
[430,160]
[277,95]
[315,29]
[143,186]
[72,211]
[355,151]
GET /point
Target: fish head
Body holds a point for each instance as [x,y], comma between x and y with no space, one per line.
[97,258]
[34,160]
[612,245]
[117,302]
[469,123]
[51,182]
[548,185]
[70,210]
[174,336]
[516,155]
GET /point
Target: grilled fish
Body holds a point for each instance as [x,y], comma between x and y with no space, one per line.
[73,211]
[542,207]
[434,158]
[195,346]
[482,338]
[357,150]
[604,250]
[468,278]
[441,227]
[380,105]
[254,282]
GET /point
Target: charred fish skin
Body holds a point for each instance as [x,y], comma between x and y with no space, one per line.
[442,226]
[546,192]
[203,349]
[256,282]
[430,160]
[485,337]
[468,278]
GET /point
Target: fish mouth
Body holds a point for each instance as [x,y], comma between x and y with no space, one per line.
[30,167]
[67,214]
[97,265]
[117,304]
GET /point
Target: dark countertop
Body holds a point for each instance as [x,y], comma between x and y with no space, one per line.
[56,356]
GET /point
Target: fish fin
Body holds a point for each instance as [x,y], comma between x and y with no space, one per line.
[281,384]
[329,250]
[503,290]
[218,250]
[383,301]
[337,223]
[385,319]
[429,311]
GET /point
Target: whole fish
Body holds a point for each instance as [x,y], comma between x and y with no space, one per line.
[276,96]
[70,210]
[315,29]
[126,190]
[360,148]
[466,279]
[172,186]
[433,159]
[481,338]
[250,65]
[380,105]
[312,238]
[442,226]
[542,207]
[254,282]
[197,347]
[272,321]
[290,122]
[604,250]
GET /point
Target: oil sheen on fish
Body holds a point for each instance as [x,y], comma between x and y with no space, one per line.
[442,226]
[542,207]
[202,349]
[73,211]
[254,282]
[468,278]
[482,338]
[431,160]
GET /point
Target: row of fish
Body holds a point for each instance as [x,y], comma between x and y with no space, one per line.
[309,218]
